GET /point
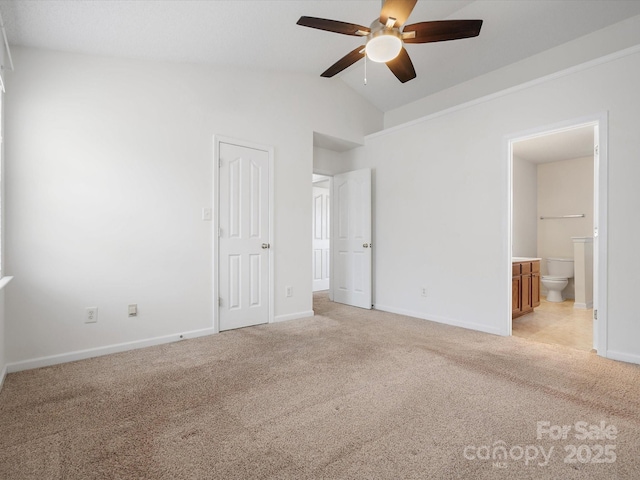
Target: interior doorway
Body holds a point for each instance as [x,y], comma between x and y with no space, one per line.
[321,232]
[554,172]
[341,237]
[351,281]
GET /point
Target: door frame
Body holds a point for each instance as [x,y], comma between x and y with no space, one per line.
[600,201]
[215,201]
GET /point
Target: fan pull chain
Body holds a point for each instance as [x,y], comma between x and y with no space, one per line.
[365,68]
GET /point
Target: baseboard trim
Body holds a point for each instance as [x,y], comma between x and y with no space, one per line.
[106,350]
[438,319]
[583,306]
[622,357]
[294,316]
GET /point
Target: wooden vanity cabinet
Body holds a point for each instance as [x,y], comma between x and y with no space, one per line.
[525,287]
[535,284]
[516,305]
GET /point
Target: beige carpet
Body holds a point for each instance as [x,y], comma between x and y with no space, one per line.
[347,394]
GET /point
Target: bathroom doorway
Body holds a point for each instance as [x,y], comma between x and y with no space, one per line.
[557,192]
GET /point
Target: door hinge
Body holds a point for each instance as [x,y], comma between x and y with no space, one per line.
[219,301]
[219,232]
[595,314]
[219,163]
[596,149]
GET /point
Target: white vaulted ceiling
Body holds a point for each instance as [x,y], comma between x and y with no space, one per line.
[263,34]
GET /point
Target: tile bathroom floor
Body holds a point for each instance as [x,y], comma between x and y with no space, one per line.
[557,323]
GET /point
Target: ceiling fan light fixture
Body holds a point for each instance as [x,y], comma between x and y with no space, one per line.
[384,46]
[384,40]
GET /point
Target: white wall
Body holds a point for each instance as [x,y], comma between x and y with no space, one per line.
[441,195]
[564,188]
[3,361]
[108,164]
[525,208]
[328,162]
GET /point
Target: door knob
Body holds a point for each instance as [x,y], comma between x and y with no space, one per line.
[266,245]
[367,245]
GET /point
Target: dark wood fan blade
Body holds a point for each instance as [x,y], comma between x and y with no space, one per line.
[442,30]
[398,9]
[334,26]
[346,61]
[402,67]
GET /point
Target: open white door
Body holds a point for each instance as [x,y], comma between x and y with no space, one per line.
[351,233]
[243,236]
[321,240]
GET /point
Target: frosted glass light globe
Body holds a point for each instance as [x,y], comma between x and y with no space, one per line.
[383,48]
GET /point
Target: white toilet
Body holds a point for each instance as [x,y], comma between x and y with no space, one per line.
[560,270]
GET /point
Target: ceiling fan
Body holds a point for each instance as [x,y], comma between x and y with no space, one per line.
[385,37]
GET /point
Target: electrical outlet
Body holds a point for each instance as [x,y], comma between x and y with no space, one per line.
[91,315]
[424,291]
[133,310]
[289,291]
